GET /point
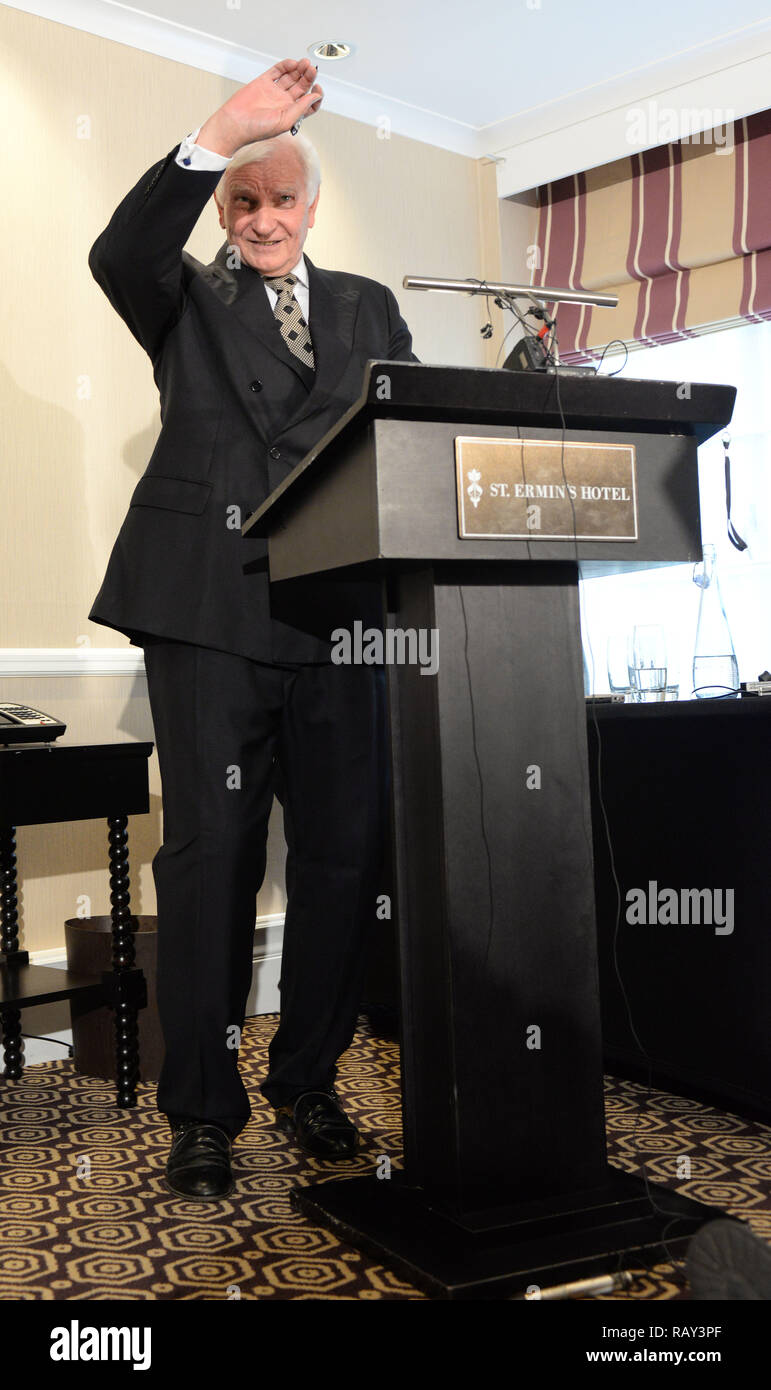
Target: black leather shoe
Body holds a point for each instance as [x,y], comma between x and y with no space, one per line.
[198,1165]
[319,1125]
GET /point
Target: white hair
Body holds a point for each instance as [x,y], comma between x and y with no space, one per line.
[266,149]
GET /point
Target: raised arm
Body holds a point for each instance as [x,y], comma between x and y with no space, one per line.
[137,259]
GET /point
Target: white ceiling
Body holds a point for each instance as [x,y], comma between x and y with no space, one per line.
[476,76]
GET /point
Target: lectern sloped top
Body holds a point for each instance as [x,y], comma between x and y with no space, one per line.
[385,485]
[489,396]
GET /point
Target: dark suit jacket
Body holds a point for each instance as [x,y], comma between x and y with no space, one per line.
[238,413]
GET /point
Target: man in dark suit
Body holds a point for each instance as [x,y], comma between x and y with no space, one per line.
[255,357]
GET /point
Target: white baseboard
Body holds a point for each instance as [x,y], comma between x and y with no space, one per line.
[266,965]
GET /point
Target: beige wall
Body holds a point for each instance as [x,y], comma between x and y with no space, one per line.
[518,220]
[518,224]
[77,401]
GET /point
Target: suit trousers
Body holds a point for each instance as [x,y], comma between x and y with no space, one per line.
[226,729]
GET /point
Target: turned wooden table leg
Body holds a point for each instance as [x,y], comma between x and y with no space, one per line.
[123,960]
[10,1018]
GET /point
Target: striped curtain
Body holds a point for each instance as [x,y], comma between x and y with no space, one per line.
[681,233]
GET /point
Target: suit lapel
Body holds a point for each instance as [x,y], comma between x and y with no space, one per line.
[333,311]
[243,290]
[334,306]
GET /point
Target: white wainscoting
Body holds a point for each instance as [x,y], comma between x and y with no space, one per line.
[71,661]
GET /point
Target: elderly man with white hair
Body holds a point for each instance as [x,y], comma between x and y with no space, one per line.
[256,356]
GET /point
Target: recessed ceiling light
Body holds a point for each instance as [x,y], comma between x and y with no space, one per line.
[328,51]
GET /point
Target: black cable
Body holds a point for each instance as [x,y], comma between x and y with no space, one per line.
[609,840]
[503,301]
[503,344]
[605,349]
[661,1211]
[479,776]
[606,824]
[577,560]
[36,1037]
[507,301]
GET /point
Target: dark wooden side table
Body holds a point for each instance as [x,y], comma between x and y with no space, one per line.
[45,783]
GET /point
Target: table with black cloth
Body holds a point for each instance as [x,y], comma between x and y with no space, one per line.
[685,787]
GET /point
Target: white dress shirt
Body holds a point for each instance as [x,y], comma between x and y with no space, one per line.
[193,156]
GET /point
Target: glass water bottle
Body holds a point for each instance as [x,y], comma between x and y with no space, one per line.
[715,668]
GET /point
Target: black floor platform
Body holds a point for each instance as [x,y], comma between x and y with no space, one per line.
[500,1254]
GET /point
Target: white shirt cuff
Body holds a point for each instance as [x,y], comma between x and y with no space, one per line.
[193,156]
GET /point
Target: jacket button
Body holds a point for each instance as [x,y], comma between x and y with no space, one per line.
[255,385]
[275,453]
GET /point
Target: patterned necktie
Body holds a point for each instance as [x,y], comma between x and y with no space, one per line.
[294,329]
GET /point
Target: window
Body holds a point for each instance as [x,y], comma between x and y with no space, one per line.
[740,357]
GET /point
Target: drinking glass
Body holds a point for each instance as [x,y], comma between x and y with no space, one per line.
[618,664]
[648,663]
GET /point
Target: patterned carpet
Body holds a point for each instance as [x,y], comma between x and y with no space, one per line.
[84,1213]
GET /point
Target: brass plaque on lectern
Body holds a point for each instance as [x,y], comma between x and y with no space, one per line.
[544,489]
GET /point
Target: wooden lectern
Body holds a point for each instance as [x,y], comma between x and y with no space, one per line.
[506,1182]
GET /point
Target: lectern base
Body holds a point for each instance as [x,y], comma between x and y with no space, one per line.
[497,1254]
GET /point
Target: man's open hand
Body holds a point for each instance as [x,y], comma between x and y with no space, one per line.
[271,104]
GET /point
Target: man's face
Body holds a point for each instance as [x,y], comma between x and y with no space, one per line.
[266,213]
